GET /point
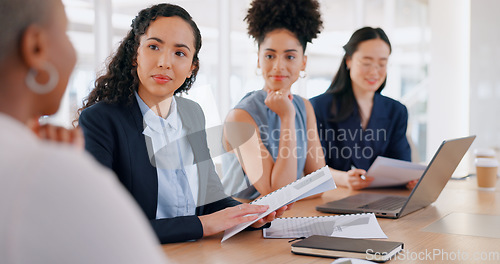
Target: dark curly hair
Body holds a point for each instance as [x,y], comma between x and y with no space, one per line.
[301,17]
[118,84]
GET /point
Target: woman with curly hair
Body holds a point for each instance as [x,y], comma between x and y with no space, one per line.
[286,144]
[357,123]
[155,141]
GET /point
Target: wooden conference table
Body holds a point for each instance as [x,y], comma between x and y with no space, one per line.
[419,246]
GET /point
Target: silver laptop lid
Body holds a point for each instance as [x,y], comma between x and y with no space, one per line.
[437,173]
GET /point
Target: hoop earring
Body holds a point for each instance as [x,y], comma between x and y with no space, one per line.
[258,71]
[39,88]
[302,74]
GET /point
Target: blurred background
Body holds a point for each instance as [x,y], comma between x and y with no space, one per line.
[443,66]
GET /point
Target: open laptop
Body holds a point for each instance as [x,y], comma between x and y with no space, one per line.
[427,190]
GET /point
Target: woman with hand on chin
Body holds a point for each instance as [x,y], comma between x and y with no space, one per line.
[155,141]
[355,122]
[285,145]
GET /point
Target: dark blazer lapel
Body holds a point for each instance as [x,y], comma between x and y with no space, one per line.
[379,121]
[380,114]
[348,133]
[377,130]
[135,113]
[138,119]
[144,189]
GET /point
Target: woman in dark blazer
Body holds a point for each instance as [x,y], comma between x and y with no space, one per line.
[154,141]
[355,122]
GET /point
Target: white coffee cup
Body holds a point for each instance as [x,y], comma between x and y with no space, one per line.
[486,171]
[484,153]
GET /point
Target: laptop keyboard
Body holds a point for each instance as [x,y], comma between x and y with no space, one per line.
[387,203]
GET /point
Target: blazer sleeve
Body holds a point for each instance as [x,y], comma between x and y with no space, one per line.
[177,229]
[399,148]
[99,136]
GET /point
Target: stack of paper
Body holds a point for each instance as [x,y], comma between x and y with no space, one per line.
[349,226]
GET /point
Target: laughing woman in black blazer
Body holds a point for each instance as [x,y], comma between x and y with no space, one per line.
[355,122]
[155,141]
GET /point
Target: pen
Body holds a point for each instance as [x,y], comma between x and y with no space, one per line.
[362,176]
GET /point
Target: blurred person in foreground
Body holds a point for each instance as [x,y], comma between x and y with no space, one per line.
[57,204]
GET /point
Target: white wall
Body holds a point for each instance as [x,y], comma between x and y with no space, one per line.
[464,97]
[448,101]
[485,73]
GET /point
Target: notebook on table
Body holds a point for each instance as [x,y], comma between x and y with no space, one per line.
[427,190]
[336,247]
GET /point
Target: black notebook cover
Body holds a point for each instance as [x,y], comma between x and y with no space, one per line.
[337,247]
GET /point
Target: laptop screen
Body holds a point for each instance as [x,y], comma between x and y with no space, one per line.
[437,173]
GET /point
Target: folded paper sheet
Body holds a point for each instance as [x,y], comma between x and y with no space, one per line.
[314,183]
[392,172]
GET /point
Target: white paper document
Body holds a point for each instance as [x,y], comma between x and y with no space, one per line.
[348,226]
[314,183]
[392,172]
